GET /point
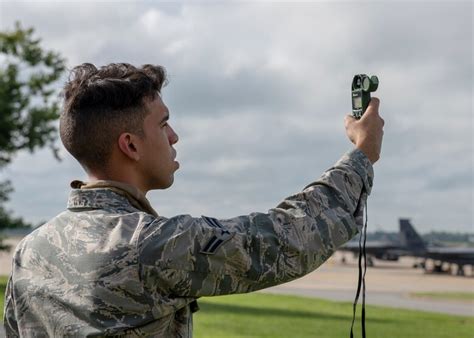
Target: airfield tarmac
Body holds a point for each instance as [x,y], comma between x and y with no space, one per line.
[387,284]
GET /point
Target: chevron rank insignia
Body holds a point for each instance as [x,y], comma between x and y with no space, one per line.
[220,237]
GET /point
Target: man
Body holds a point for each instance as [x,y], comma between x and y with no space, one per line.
[110,265]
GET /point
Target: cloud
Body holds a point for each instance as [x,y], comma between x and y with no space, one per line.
[258,93]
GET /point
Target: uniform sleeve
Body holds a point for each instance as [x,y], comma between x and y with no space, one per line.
[191,257]
[9,319]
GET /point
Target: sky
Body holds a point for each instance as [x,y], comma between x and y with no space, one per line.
[258,92]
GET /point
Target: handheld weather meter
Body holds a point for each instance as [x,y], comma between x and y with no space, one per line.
[362,86]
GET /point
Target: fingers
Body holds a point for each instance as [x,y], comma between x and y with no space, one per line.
[348,120]
[367,132]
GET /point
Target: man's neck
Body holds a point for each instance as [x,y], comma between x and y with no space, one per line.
[128,178]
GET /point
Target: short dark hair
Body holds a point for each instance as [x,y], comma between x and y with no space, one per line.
[101,103]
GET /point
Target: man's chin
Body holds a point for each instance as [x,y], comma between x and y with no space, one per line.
[162,184]
[170,182]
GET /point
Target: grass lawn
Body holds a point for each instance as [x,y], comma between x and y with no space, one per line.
[461,296]
[3,286]
[266,315]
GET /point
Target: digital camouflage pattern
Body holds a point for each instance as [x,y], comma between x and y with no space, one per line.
[107,267]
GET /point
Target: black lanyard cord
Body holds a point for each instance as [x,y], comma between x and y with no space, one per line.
[363,276]
[362,253]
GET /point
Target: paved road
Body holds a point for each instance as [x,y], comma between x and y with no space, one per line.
[388,284]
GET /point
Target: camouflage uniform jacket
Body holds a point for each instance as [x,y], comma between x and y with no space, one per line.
[109,265]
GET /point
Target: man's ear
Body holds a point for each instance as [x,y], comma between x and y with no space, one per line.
[128,145]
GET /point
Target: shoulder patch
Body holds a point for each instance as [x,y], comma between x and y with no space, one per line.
[220,237]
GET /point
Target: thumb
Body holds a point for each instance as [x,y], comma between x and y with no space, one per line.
[373,106]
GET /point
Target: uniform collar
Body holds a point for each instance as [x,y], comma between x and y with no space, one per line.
[131,193]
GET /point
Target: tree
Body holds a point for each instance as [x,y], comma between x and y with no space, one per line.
[29,105]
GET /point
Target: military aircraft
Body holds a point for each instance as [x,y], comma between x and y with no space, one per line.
[383,250]
[415,246]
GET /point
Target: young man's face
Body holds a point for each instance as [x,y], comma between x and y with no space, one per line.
[157,155]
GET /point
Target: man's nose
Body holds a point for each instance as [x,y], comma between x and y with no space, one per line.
[173,137]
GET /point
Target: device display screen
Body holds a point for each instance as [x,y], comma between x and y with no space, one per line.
[357,101]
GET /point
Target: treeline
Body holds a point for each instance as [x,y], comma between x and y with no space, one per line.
[431,238]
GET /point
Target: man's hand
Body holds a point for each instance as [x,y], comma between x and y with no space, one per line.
[367,133]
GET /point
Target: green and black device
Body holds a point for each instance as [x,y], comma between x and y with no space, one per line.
[362,86]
